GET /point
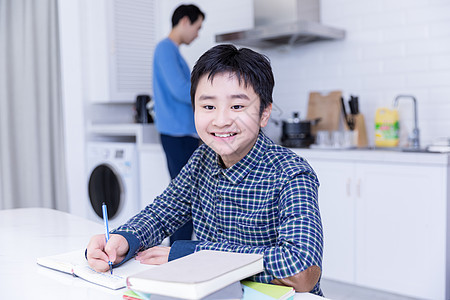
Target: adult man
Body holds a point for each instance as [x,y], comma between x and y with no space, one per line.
[171,85]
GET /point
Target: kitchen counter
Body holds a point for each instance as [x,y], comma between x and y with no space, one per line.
[375,155]
[141,134]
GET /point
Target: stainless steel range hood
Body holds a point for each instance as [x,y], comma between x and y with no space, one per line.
[300,24]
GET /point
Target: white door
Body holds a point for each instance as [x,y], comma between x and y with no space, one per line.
[401,218]
[337,208]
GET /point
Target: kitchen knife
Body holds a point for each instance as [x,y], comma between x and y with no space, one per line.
[348,118]
[353,103]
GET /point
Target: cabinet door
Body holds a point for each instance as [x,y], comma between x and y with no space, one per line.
[154,176]
[401,225]
[119,40]
[337,208]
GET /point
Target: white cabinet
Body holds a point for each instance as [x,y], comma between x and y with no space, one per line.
[337,209]
[401,221]
[385,218]
[154,175]
[119,37]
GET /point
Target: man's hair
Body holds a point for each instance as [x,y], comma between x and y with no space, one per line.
[251,68]
[192,11]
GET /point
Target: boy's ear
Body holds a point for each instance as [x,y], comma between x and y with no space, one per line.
[265,115]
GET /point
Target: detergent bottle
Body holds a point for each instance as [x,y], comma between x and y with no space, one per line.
[386,127]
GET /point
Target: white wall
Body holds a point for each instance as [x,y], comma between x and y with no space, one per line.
[392,47]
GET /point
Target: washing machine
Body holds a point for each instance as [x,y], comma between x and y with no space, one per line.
[113,178]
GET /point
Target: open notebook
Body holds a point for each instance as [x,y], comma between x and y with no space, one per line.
[75,263]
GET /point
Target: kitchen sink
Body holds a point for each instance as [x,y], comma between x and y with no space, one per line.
[423,150]
[398,149]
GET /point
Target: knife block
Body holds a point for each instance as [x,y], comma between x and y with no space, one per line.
[360,130]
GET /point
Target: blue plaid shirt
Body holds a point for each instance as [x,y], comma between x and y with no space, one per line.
[266,203]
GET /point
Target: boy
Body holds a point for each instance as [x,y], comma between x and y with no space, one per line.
[243,192]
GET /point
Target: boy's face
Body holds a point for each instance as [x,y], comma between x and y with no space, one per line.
[227,116]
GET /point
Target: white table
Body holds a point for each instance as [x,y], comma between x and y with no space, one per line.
[28,233]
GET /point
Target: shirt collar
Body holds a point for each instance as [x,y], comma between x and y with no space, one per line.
[239,170]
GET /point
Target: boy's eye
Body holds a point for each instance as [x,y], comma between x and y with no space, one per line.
[208,107]
[237,106]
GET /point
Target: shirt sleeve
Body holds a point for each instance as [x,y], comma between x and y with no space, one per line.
[169,69]
[168,212]
[133,246]
[299,242]
[182,248]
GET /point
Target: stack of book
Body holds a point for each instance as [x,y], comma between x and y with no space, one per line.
[263,291]
[198,275]
[245,290]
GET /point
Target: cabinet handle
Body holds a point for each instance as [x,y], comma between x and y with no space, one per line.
[348,187]
[358,188]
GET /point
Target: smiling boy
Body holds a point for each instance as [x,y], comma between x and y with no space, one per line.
[243,192]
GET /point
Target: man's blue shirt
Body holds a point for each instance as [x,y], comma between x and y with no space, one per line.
[171,89]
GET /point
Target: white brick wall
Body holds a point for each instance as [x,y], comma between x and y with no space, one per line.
[392,47]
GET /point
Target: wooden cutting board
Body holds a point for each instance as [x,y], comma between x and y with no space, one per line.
[328,107]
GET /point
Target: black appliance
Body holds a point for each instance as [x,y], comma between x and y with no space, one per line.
[297,133]
[143,108]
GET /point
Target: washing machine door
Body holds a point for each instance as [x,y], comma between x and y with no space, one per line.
[105,185]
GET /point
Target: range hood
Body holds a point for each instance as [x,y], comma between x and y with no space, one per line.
[283,22]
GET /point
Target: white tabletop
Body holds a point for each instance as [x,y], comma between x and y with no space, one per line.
[29,233]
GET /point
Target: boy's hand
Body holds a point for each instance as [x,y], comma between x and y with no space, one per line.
[157,255]
[99,253]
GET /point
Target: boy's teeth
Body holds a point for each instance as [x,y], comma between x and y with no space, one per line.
[223,135]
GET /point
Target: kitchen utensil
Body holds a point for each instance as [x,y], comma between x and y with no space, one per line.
[337,139]
[348,118]
[323,138]
[349,139]
[354,105]
[297,133]
[327,107]
[143,114]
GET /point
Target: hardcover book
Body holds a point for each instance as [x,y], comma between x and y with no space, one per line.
[197,275]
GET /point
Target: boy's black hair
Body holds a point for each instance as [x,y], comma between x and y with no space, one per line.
[250,67]
[192,11]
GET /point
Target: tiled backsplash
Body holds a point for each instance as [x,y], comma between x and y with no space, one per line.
[391,47]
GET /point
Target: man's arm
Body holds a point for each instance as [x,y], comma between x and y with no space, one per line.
[168,69]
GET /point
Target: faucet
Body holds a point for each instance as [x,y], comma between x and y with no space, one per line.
[414,137]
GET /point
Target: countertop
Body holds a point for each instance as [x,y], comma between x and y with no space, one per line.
[375,155]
